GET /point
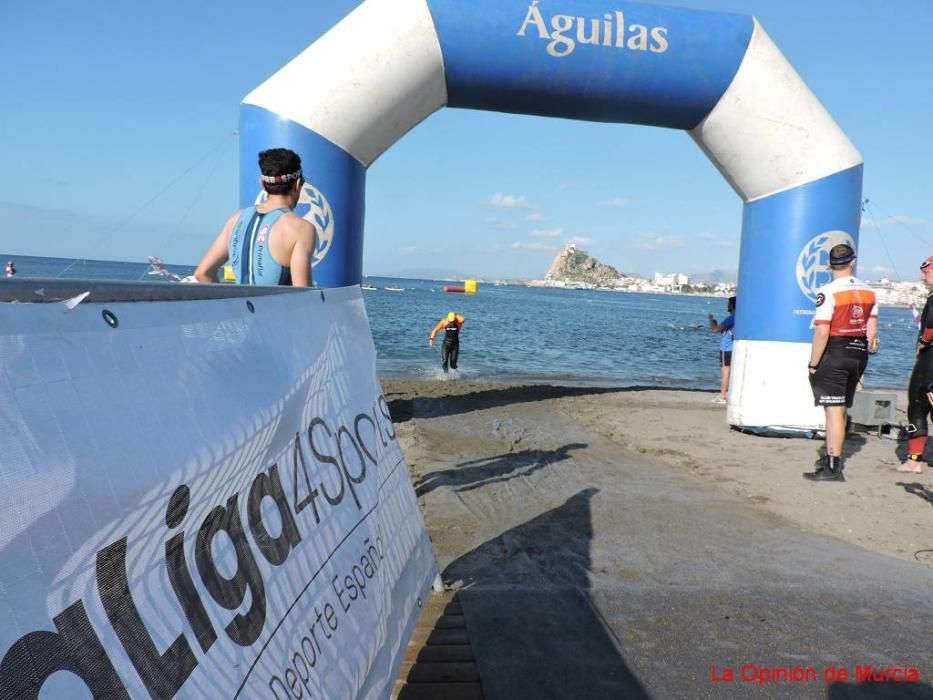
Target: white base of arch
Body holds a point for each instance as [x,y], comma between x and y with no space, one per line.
[769,386]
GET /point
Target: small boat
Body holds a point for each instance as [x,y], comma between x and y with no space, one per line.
[394,288]
[368,287]
[157,268]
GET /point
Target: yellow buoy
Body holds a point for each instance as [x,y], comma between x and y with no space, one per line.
[469,286]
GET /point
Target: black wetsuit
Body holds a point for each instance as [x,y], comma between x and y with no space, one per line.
[918,406]
[450,350]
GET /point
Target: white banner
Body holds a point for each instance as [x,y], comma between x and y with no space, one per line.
[202,499]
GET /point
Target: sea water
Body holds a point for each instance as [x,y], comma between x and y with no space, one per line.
[533,334]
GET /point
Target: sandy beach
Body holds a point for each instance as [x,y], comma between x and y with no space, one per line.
[633,510]
[876,508]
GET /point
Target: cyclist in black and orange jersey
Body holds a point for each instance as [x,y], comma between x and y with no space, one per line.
[845,331]
[451,324]
[921,382]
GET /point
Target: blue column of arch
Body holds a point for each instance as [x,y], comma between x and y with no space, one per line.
[333,171]
[785,247]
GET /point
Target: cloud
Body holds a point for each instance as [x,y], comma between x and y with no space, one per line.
[903,219]
[869,222]
[546,232]
[655,241]
[535,216]
[408,250]
[582,240]
[509,201]
[713,239]
[698,274]
[501,225]
[615,202]
[532,246]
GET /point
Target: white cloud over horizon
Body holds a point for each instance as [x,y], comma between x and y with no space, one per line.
[508,201]
[534,246]
[869,222]
[720,241]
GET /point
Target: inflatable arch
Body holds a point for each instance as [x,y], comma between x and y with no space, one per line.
[390,63]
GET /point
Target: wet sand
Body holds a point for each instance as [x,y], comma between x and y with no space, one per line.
[621,542]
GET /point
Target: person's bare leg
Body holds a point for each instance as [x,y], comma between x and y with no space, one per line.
[830,467]
[835,429]
[724,383]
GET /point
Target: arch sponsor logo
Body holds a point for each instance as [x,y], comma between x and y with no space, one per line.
[813,262]
[314,207]
[564,32]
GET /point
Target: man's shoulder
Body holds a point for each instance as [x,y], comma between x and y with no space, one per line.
[860,285]
[297,224]
[235,216]
[843,284]
[827,288]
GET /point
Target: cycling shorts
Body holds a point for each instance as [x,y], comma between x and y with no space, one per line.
[837,376]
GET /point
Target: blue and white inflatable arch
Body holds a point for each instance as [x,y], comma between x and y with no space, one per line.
[390,63]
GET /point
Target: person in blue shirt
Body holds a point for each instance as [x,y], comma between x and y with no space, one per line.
[268,243]
[725,348]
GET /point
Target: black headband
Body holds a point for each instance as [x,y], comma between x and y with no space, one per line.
[848,257]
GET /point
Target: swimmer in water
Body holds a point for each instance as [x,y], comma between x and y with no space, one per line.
[451,324]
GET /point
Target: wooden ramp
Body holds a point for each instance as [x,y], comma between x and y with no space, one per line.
[439,662]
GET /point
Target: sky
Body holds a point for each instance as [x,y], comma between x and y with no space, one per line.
[118,140]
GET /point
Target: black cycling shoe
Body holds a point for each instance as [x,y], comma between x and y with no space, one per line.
[830,470]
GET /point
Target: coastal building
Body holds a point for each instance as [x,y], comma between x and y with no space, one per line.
[899,293]
[674,279]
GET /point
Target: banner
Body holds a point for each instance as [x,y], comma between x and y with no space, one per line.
[202,499]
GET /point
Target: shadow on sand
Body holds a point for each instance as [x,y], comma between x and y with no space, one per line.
[402,409]
[467,476]
[535,630]
[918,489]
[853,444]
